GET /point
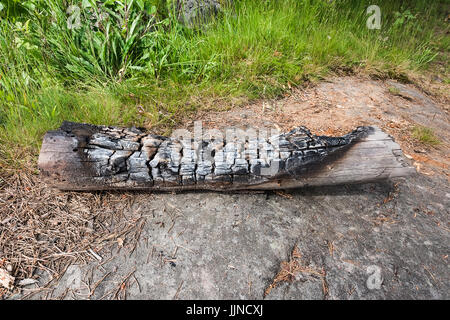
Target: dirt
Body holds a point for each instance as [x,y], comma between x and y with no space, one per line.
[387,240]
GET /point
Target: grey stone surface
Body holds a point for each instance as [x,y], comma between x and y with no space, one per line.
[194,12]
[230,246]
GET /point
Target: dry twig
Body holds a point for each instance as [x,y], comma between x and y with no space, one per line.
[42,228]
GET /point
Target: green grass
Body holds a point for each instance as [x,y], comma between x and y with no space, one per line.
[425,135]
[394,90]
[141,67]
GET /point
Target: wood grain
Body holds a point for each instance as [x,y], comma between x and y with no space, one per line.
[84,157]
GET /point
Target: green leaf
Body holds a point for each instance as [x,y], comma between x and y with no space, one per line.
[141,4]
[152,10]
[29,5]
[133,26]
[86,4]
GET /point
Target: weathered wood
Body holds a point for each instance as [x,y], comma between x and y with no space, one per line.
[86,157]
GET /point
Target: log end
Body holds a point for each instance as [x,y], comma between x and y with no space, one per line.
[59,161]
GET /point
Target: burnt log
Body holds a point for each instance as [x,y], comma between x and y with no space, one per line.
[84,157]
